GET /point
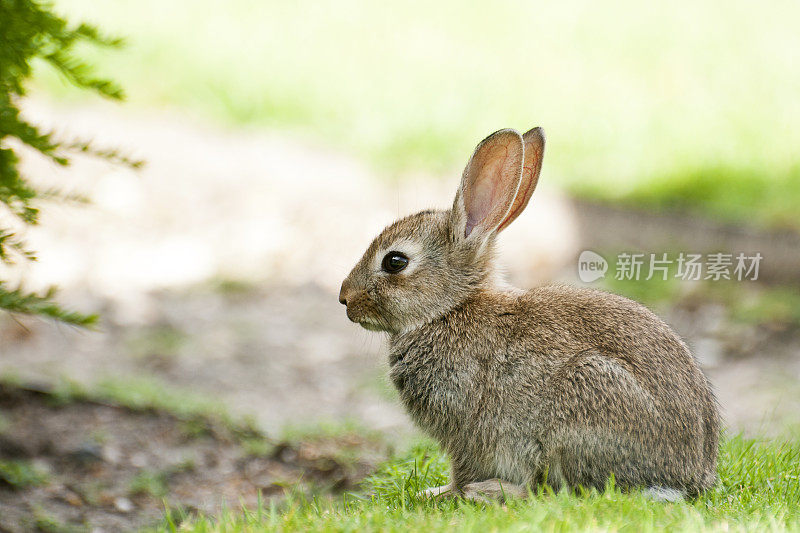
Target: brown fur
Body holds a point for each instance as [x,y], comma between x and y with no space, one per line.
[557,384]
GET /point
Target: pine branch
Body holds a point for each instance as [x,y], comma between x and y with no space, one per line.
[14,190]
[11,247]
[109,154]
[29,29]
[82,75]
[19,301]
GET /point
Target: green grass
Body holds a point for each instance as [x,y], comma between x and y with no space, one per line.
[140,393]
[197,413]
[764,195]
[780,306]
[759,490]
[657,105]
[149,483]
[328,429]
[160,340]
[43,522]
[19,474]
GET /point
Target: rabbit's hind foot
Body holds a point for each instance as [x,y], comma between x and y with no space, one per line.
[493,490]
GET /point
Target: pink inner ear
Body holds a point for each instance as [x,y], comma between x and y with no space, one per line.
[521,199]
[479,204]
[490,181]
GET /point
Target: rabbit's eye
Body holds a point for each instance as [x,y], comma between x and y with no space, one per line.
[394,262]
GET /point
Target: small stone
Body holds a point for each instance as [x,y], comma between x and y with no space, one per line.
[123,505]
[86,453]
[73,499]
[112,454]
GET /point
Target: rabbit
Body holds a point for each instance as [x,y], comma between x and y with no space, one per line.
[556,385]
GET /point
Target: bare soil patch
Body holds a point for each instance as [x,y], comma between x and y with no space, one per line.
[80,464]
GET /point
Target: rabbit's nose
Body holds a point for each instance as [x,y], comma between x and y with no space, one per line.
[343,292]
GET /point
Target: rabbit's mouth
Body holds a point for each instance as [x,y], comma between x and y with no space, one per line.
[371,326]
[363,311]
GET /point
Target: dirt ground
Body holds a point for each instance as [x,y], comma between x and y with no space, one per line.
[215,271]
[99,466]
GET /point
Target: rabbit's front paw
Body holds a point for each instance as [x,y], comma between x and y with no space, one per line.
[437,492]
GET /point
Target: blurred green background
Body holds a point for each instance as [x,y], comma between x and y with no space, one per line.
[693,107]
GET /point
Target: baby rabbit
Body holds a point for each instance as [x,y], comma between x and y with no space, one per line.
[557,384]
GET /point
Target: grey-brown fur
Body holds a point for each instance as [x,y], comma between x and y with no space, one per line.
[556,384]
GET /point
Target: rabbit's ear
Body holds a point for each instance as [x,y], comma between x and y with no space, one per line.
[532,166]
[489,185]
